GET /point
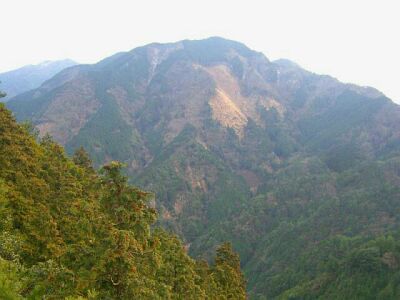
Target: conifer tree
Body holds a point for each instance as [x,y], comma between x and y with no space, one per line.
[228,275]
[69,232]
[2,94]
[82,158]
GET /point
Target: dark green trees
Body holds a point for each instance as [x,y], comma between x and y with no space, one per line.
[2,94]
[227,272]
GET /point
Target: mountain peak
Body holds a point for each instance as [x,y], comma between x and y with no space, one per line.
[286,63]
[29,77]
[63,62]
[224,137]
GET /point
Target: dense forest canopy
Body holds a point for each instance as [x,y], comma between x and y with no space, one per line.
[299,171]
[69,232]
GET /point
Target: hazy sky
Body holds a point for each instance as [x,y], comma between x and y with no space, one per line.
[355,41]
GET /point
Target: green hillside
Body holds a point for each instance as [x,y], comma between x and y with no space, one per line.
[68,232]
[299,171]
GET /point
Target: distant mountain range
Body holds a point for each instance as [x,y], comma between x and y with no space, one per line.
[300,171]
[31,77]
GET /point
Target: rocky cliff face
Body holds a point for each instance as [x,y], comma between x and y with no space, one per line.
[222,135]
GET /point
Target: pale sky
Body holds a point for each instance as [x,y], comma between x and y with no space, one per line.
[355,40]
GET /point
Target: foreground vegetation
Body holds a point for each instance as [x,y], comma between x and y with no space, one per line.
[67,231]
[307,191]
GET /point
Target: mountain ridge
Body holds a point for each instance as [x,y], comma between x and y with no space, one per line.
[30,77]
[226,137]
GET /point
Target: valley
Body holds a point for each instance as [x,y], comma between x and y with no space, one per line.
[300,172]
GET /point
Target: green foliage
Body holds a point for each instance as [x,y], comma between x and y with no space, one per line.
[301,194]
[227,272]
[353,268]
[349,112]
[106,135]
[2,94]
[67,232]
[10,280]
[81,158]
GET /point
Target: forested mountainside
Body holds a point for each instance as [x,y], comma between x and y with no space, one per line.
[67,232]
[299,171]
[31,77]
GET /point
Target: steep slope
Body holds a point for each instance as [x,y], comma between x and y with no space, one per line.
[67,232]
[30,77]
[266,154]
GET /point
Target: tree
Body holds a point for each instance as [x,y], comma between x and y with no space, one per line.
[82,158]
[129,247]
[2,94]
[227,273]
[69,232]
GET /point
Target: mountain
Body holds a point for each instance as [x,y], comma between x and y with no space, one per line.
[300,171]
[67,232]
[31,77]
